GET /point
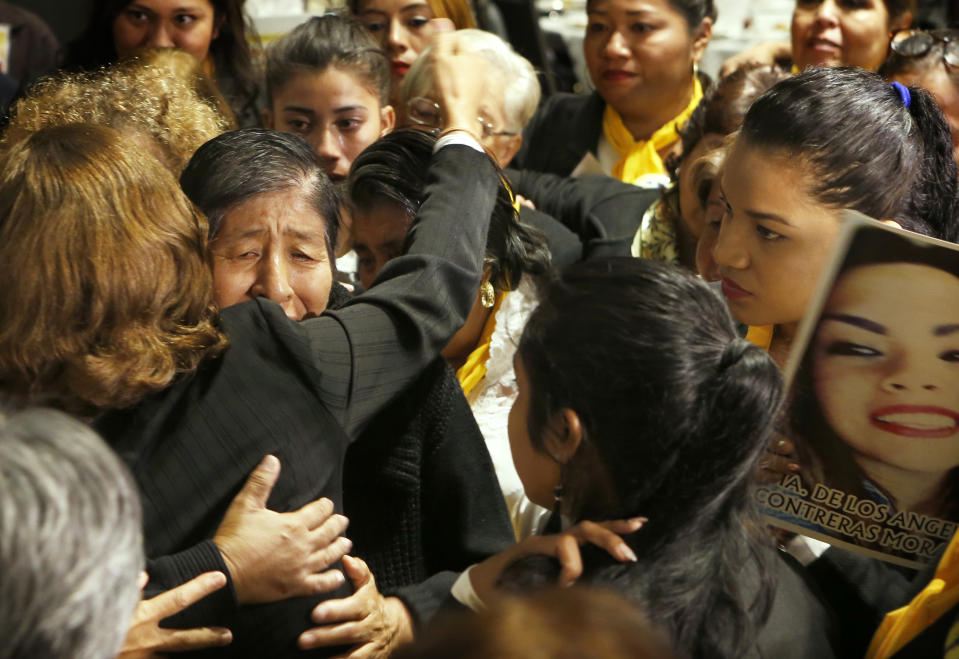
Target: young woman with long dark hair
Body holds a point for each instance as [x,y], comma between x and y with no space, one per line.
[637,397]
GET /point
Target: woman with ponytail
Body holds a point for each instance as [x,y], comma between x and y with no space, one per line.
[816,143]
[637,397]
[643,58]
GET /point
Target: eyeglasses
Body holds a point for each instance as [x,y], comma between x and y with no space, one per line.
[918,43]
[427,113]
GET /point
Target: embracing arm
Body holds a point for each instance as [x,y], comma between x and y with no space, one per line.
[600,210]
[265,556]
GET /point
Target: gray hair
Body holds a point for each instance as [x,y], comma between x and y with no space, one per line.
[521,93]
[71,544]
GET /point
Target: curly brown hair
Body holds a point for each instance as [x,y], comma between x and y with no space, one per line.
[162,96]
[108,295]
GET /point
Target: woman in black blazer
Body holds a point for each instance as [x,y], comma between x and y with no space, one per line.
[644,70]
[109,315]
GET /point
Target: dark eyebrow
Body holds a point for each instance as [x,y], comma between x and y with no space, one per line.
[943,330]
[389,245]
[771,217]
[249,233]
[349,108]
[297,108]
[631,12]
[305,236]
[141,7]
[756,215]
[857,321]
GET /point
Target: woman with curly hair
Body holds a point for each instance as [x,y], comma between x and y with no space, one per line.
[159,98]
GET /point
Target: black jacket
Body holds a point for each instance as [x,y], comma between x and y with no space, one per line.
[300,391]
[422,495]
[602,211]
[564,129]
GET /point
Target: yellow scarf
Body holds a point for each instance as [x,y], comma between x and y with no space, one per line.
[473,369]
[640,158]
[760,335]
[902,625]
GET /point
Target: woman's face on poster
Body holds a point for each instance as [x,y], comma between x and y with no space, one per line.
[886,365]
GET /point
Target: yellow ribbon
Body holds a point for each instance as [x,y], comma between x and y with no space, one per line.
[640,158]
[941,594]
[473,369]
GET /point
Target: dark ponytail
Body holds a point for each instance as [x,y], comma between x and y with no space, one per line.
[935,197]
[675,411]
[864,149]
[747,384]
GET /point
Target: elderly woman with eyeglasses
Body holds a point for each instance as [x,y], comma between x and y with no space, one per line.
[512,94]
[602,212]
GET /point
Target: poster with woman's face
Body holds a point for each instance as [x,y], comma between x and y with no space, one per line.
[873,404]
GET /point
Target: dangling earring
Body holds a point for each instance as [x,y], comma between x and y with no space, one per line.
[558,493]
[487,295]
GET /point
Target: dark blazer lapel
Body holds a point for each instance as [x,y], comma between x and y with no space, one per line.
[582,134]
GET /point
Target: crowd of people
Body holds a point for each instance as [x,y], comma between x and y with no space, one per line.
[362,346]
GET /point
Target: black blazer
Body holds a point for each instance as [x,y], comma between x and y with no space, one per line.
[564,129]
[565,247]
[603,212]
[300,391]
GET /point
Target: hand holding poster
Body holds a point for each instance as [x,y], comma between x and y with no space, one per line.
[873,402]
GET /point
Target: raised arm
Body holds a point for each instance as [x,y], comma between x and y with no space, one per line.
[371,349]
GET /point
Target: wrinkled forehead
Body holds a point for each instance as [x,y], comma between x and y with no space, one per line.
[288,212]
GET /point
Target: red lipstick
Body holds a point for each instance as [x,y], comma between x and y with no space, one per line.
[734,291]
[399,68]
[923,421]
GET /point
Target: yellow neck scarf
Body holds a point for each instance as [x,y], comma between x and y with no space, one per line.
[902,625]
[760,335]
[473,369]
[639,158]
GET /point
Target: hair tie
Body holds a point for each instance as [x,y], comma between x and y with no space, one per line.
[733,352]
[903,92]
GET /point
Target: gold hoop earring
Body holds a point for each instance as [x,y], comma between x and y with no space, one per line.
[487,295]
